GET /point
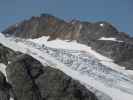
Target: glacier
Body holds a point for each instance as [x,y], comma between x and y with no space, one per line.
[80,62]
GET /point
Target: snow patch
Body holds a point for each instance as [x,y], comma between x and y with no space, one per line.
[72,45]
[11,99]
[9,62]
[109,39]
[101,24]
[3,68]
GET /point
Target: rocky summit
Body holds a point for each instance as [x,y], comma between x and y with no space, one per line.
[24,76]
[57,28]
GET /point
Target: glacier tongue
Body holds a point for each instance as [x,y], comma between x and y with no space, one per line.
[80,65]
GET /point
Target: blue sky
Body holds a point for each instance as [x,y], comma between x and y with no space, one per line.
[118,12]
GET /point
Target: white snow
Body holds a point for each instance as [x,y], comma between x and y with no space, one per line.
[84,79]
[109,39]
[73,45]
[3,68]
[9,62]
[101,24]
[11,99]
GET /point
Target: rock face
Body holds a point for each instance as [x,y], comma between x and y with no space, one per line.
[43,25]
[20,77]
[4,88]
[57,28]
[84,32]
[30,80]
[63,87]
[120,52]
[6,54]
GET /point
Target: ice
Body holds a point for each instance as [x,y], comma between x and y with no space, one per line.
[80,62]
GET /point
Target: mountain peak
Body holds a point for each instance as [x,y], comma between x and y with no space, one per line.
[49,25]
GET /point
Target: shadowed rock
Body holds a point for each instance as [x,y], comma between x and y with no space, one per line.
[32,81]
[6,91]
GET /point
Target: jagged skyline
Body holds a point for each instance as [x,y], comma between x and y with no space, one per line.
[118,12]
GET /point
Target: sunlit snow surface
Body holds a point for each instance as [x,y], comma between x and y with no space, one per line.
[80,62]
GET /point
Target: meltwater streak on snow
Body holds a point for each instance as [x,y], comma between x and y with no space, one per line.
[102,78]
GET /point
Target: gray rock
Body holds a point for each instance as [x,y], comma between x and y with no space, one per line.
[31,81]
[59,86]
[6,54]
[120,52]
[19,76]
[5,88]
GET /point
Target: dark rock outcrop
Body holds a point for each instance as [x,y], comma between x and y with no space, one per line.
[6,91]
[6,54]
[62,87]
[120,52]
[19,76]
[32,81]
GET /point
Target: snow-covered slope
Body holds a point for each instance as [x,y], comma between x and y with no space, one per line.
[79,62]
[73,45]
